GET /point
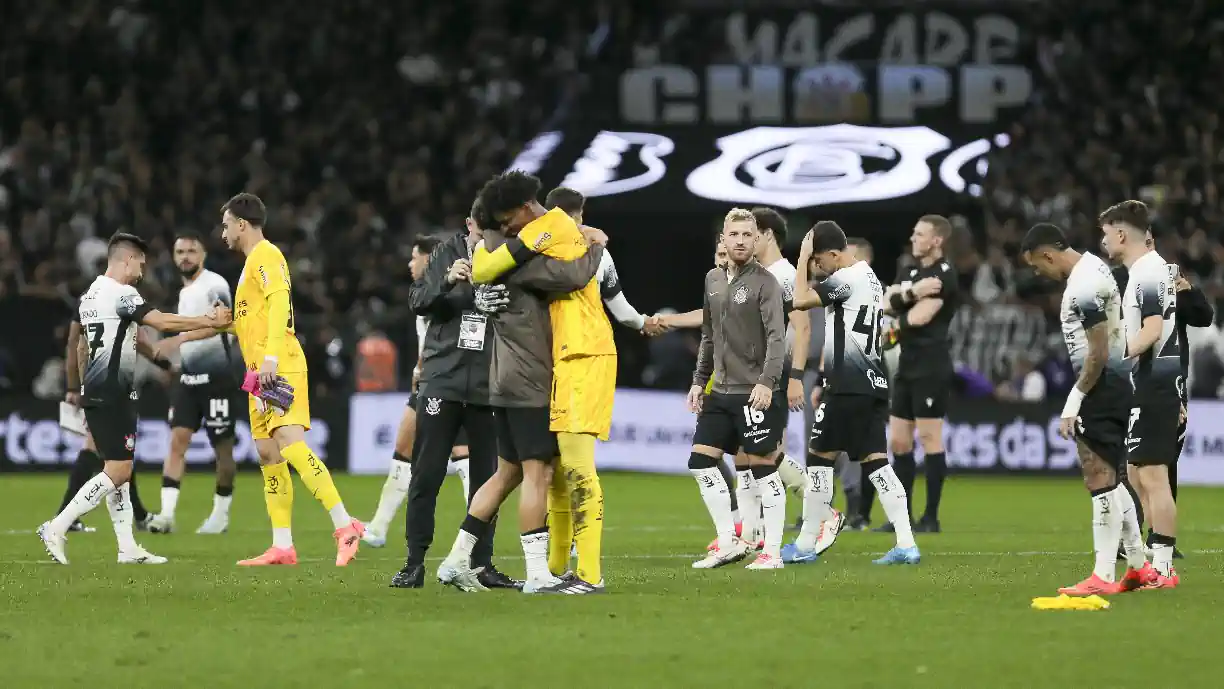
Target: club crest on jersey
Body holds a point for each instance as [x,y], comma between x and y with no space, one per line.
[129,442]
[878,382]
[433,405]
[740,296]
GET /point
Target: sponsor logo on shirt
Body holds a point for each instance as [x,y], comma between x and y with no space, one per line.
[539,242]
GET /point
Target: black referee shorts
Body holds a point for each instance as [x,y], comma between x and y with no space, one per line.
[920,397]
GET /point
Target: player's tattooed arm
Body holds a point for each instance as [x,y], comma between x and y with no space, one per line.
[1098,355]
[805,297]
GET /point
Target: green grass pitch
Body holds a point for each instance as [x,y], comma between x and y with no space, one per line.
[960,619]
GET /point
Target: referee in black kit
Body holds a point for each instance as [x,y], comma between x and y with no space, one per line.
[924,303]
[453,393]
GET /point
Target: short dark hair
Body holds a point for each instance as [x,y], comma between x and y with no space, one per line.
[828,236]
[1133,213]
[942,226]
[481,217]
[508,191]
[425,243]
[568,200]
[1044,234]
[189,235]
[770,220]
[125,240]
[248,207]
[861,243]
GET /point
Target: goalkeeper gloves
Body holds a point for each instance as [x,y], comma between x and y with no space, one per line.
[278,396]
[492,298]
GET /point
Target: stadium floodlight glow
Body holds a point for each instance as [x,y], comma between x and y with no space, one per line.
[594,173]
[949,169]
[536,152]
[801,167]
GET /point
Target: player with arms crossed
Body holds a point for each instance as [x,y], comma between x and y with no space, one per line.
[111,311]
[1149,314]
[399,477]
[210,373]
[853,407]
[1098,405]
[923,303]
[743,348]
[263,321]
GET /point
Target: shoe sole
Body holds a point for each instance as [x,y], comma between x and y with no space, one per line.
[836,532]
[47,547]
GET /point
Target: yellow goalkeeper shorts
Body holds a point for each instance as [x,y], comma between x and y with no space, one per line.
[298,413]
[582,394]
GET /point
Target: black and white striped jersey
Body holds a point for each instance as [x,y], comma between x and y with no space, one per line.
[216,357]
[110,313]
[1150,291]
[854,303]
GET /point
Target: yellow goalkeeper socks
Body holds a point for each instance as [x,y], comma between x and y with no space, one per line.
[318,479]
[278,496]
[586,501]
[560,524]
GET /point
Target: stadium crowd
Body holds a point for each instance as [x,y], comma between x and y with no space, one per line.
[368,123]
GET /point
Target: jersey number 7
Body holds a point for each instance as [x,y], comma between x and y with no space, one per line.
[869,325]
[95,331]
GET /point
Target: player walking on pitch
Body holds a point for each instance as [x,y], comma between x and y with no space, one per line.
[111,311]
[1149,314]
[264,323]
[1097,406]
[743,347]
[852,411]
[207,389]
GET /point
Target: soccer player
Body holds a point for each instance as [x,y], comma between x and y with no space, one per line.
[743,348]
[264,323]
[568,481]
[924,372]
[111,311]
[207,390]
[1096,410]
[1149,315]
[548,404]
[851,414]
[399,477]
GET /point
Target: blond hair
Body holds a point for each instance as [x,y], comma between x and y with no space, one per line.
[739,215]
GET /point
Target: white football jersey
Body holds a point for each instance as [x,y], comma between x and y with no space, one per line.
[1150,291]
[785,273]
[854,306]
[1091,298]
[110,313]
[217,355]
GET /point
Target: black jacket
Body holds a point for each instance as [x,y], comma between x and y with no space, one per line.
[1193,310]
[448,372]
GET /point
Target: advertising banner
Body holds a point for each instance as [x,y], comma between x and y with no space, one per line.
[31,438]
[653,432]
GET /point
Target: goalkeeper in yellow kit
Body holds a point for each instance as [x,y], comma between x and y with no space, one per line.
[584,359]
[263,322]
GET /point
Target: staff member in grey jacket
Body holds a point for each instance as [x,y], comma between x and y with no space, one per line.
[743,346]
[453,393]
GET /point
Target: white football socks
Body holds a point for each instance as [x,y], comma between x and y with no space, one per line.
[1132,534]
[394,493]
[749,499]
[119,504]
[339,516]
[1106,533]
[221,505]
[892,499]
[461,551]
[87,498]
[793,473]
[535,555]
[817,504]
[462,467]
[718,503]
[169,501]
[773,504]
[282,537]
[1162,558]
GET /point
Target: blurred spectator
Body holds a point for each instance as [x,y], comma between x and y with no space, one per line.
[1026,384]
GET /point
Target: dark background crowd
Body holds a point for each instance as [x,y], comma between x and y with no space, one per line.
[364,124]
